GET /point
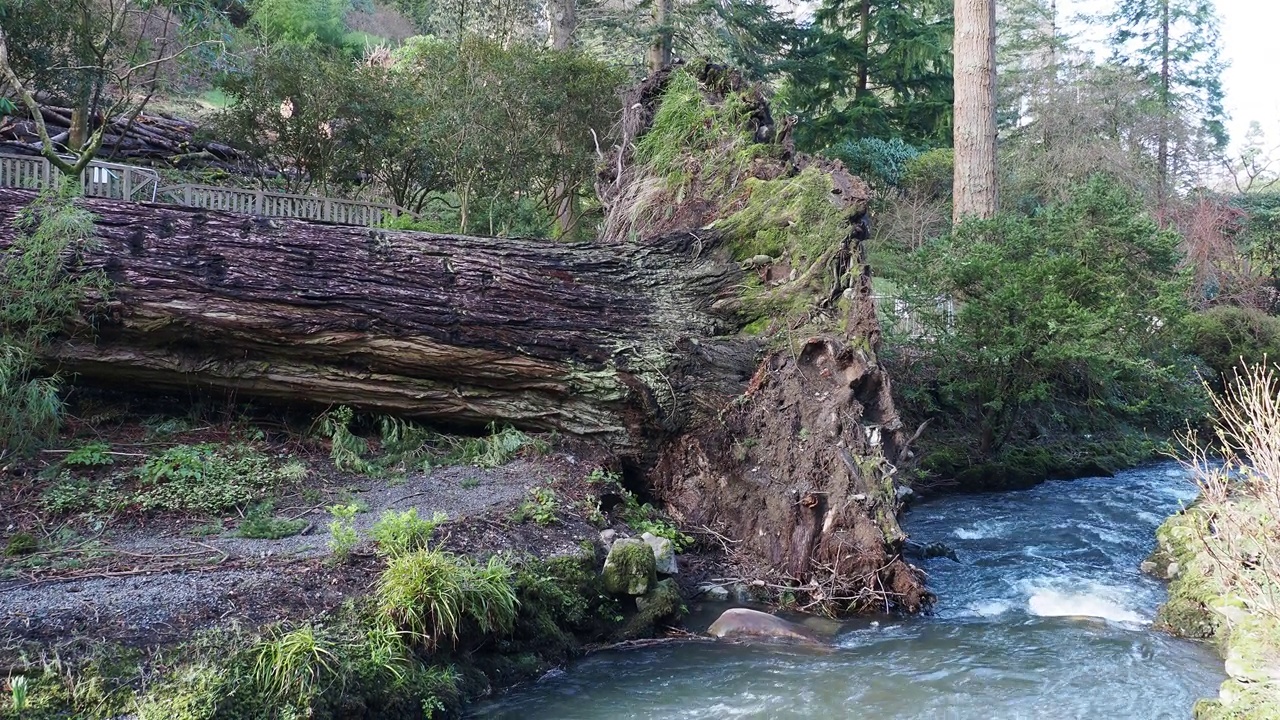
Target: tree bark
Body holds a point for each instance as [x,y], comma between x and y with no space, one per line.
[975,110]
[564,22]
[1166,109]
[660,50]
[550,336]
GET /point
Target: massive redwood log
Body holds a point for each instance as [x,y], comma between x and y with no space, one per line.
[742,387]
[546,335]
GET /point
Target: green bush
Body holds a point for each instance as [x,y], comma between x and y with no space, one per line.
[399,533]
[883,163]
[42,284]
[260,524]
[203,478]
[302,21]
[430,593]
[1063,319]
[931,173]
[1223,336]
[342,530]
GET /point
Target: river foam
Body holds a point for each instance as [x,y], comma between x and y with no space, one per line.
[1097,602]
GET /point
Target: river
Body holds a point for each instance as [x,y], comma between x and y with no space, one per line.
[1044,616]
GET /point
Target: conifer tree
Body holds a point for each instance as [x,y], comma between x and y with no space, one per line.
[1175,45]
[873,68]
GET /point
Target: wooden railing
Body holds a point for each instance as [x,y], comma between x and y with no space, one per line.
[129,182]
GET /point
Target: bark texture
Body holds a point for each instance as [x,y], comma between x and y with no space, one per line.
[975,109]
[438,327]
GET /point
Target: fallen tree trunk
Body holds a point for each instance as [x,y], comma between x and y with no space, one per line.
[434,327]
[721,339]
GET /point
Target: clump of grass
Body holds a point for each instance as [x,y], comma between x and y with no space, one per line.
[260,524]
[496,449]
[399,533]
[429,593]
[292,667]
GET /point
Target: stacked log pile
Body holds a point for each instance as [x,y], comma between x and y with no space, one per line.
[145,139]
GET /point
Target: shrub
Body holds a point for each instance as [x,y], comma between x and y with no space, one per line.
[1063,317]
[259,524]
[92,454]
[1226,336]
[342,530]
[931,173]
[42,284]
[429,593]
[203,478]
[883,163]
[540,507]
[398,533]
[302,21]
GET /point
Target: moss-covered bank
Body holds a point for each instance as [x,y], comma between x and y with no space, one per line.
[349,663]
[1208,601]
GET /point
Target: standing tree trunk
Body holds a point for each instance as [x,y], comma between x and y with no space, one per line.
[564,22]
[864,44]
[975,110]
[660,51]
[1166,107]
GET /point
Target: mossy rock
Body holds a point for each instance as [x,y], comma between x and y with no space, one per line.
[661,603]
[630,568]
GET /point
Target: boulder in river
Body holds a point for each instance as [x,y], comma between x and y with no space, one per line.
[630,568]
[744,624]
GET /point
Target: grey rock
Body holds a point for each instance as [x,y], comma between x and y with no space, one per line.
[664,553]
[608,536]
[713,593]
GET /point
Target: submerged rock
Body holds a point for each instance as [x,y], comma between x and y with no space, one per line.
[664,553]
[744,624]
[630,568]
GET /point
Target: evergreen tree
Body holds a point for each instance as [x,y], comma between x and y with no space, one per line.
[873,68]
[1174,43]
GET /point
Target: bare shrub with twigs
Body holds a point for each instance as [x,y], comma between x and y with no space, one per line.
[1238,474]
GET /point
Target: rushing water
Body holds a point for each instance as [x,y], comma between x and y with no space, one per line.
[1044,616]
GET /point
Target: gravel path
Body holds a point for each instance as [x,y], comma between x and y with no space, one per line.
[262,580]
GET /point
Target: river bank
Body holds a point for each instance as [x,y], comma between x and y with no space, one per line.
[1210,599]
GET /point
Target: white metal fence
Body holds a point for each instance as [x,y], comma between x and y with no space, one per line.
[137,184]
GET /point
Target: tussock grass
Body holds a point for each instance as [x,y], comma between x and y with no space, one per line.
[294,666]
[428,594]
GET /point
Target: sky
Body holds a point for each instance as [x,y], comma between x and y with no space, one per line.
[1250,82]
